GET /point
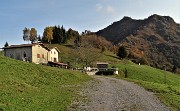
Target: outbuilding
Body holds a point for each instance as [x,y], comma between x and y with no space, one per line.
[102,65]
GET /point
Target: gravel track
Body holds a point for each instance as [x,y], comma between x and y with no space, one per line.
[110,94]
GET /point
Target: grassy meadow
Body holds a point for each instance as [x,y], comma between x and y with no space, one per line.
[1,53]
[165,85]
[27,86]
[30,87]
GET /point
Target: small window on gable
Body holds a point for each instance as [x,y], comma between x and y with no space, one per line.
[43,56]
[51,52]
[38,55]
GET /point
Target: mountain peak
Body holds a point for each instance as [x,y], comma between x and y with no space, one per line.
[157,17]
[158,37]
[125,18]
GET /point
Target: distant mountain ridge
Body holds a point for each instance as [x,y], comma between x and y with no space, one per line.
[157,38]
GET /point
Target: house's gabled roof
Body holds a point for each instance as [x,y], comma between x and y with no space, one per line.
[56,49]
[44,46]
[18,46]
[26,45]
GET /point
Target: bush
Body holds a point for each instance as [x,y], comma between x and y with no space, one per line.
[105,73]
[143,61]
[122,53]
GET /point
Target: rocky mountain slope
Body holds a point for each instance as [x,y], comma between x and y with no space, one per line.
[157,39]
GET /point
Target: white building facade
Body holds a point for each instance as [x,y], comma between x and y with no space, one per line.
[36,53]
[53,55]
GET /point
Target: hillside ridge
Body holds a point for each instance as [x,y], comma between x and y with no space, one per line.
[156,38]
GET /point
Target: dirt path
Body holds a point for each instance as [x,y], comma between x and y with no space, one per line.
[110,94]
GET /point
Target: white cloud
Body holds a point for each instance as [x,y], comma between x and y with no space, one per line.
[110,10]
[99,7]
[107,9]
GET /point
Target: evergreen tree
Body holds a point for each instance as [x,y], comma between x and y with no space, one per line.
[69,33]
[59,35]
[39,38]
[6,44]
[72,34]
[64,34]
[122,53]
[55,35]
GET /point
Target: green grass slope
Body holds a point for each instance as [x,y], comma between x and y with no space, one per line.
[66,54]
[165,84]
[31,87]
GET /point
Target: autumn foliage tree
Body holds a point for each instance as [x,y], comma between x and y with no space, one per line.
[97,42]
[48,34]
[58,34]
[33,35]
[30,34]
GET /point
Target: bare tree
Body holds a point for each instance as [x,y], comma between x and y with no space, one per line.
[86,54]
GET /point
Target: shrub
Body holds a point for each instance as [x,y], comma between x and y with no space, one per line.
[122,53]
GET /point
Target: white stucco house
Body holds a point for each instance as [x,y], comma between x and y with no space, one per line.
[53,54]
[36,53]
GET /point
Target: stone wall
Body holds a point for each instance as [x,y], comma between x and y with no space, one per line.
[20,53]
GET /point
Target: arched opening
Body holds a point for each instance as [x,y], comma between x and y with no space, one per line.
[25,56]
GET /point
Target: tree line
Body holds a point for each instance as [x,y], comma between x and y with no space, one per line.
[51,34]
[84,43]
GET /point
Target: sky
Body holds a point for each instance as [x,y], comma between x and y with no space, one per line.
[79,15]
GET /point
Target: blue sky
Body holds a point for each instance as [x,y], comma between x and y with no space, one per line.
[80,15]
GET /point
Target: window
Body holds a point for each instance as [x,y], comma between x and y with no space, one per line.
[51,52]
[38,55]
[54,52]
[43,56]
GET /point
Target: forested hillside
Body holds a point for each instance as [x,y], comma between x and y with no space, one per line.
[155,39]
